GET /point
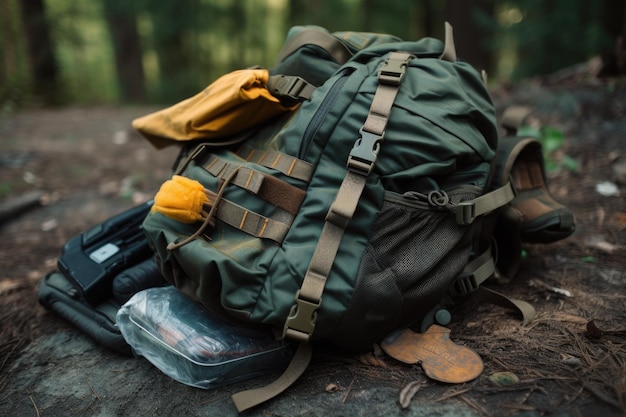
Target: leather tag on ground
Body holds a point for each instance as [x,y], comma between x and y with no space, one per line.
[441,358]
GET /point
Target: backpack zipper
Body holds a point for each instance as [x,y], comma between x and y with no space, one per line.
[322,111]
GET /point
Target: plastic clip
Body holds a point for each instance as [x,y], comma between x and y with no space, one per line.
[465,212]
[393,71]
[465,284]
[290,90]
[301,320]
[364,153]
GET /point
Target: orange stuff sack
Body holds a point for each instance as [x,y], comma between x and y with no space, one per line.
[232,104]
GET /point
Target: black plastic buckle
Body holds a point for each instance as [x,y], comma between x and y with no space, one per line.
[465,213]
[364,152]
[464,285]
[288,89]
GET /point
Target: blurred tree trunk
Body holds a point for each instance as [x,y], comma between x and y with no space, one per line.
[121,18]
[470,37]
[614,18]
[302,12]
[8,58]
[43,64]
[613,23]
[173,26]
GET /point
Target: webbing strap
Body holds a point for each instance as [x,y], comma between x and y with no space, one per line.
[449,50]
[282,162]
[300,323]
[467,211]
[477,271]
[524,309]
[246,178]
[245,400]
[267,187]
[333,46]
[250,222]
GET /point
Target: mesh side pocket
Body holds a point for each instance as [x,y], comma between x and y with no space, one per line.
[413,256]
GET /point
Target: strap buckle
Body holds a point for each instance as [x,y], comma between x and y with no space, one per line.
[290,90]
[465,284]
[301,320]
[393,71]
[364,152]
[465,212]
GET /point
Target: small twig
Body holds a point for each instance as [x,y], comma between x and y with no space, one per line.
[19,204]
[600,395]
[452,394]
[214,400]
[574,397]
[345,397]
[8,355]
[519,407]
[34,405]
[475,405]
[93,391]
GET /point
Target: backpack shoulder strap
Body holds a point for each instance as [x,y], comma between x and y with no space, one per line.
[300,323]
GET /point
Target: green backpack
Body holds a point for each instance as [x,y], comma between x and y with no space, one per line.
[368,208]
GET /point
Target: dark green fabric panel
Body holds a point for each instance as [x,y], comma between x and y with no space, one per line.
[441,136]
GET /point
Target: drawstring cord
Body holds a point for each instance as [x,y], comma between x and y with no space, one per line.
[210,216]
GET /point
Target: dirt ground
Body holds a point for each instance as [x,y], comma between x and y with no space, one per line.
[570,360]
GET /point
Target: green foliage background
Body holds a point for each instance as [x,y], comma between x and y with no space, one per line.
[185,44]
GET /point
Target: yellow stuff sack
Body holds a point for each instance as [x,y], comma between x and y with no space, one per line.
[233,103]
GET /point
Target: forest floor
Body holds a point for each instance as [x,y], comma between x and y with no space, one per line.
[570,360]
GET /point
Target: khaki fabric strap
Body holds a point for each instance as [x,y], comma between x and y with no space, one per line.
[467,211]
[477,271]
[245,400]
[449,51]
[250,222]
[337,219]
[269,188]
[525,310]
[287,164]
[300,323]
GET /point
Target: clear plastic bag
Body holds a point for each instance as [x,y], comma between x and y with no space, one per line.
[195,346]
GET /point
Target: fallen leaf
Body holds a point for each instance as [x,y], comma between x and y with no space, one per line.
[504,378]
[595,332]
[556,290]
[331,387]
[408,392]
[607,189]
[598,242]
[49,225]
[620,219]
[571,360]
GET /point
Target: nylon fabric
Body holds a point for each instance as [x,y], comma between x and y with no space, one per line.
[233,103]
[394,262]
